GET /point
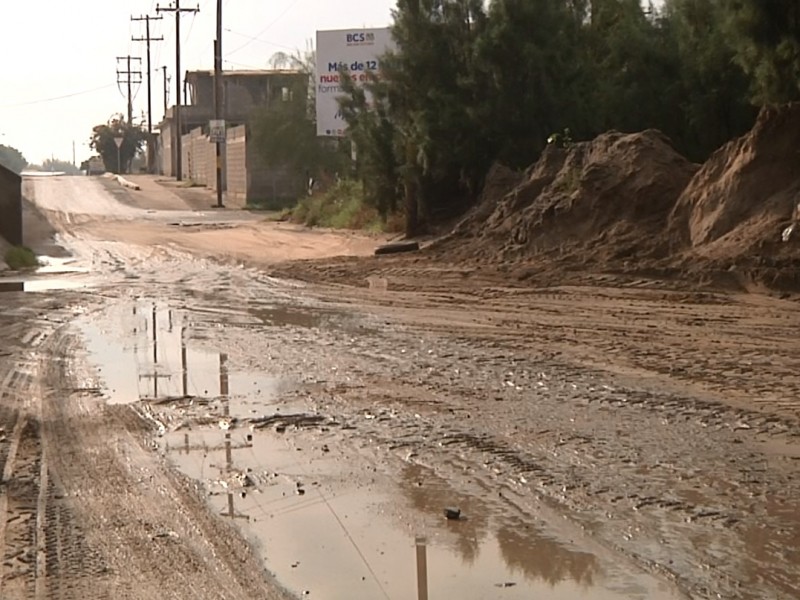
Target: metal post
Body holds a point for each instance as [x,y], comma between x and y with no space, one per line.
[422,569]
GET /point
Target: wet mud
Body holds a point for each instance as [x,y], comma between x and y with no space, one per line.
[332,517]
[613,440]
[336,441]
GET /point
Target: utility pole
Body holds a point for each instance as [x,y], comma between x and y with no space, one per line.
[166,90]
[178,126]
[131,77]
[148,39]
[218,112]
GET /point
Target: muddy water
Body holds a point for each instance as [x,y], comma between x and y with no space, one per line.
[53,274]
[332,515]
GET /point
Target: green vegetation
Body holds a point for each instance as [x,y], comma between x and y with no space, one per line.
[12,159]
[472,83]
[103,143]
[20,257]
[284,131]
[343,206]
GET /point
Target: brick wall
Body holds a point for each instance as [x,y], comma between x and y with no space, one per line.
[10,206]
[246,178]
[236,162]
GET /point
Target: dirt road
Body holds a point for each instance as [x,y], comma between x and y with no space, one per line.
[179,423]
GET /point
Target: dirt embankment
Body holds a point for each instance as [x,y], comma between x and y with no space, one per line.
[740,212]
[624,207]
[631,203]
[595,202]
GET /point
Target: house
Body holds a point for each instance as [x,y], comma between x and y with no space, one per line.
[10,206]
[244,92]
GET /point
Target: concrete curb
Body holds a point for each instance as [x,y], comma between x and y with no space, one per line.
[128,184]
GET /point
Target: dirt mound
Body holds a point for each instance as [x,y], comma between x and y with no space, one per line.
[746,196]
[605,199]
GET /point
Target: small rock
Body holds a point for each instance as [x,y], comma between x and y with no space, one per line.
[452,514]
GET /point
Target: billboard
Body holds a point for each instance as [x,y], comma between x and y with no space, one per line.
[355,50]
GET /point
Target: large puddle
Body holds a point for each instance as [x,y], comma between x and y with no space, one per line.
[54,274]
[332,519]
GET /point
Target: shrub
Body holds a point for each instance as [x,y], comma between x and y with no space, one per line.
[20,257]
[341,207]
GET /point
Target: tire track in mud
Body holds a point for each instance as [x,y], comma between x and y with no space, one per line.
[678,479]
[39,554]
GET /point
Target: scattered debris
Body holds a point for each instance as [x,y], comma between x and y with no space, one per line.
[397,247]
[452,514]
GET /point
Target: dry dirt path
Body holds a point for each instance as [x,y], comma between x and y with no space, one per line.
[605,441]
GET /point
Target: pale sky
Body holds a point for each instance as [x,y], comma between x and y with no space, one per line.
[67,50]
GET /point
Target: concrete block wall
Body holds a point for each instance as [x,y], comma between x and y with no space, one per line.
[247,178]
[236,162]
[10,206]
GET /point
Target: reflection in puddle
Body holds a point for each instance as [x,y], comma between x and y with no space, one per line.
[40,285]
[332,521]
[526,551]
[331,524]
[12,286]
[34,282]
[51,265]
[143,352]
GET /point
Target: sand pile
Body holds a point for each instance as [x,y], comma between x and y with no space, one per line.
[602,200]
[742,206]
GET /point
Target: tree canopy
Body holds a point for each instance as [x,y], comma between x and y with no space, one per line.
[471,83]
[62,166]
[102,141]
[284,130]
[12,159]
[766,37]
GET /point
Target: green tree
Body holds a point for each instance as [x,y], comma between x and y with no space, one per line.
[533,77]
[375,137]
[766,37]
[432,94]
[12,159]
[63,166]
[284,128]
[713,103]
[103,142]
[633,68]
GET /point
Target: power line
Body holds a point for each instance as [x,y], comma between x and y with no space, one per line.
[255,39]
[131,77]
[178,132]
[54,98]
[267,28]
[148,39]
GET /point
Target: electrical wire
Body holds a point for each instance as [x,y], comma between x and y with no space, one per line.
[255,39]
[54,98]
[267,28]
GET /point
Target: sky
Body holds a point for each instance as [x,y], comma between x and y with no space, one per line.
[58,59]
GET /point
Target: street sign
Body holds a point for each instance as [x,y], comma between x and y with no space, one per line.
[216,131]
[118,140]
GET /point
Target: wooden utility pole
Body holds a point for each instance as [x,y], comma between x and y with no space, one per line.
[218,100]
[131,77]
[178,125]
[148,39]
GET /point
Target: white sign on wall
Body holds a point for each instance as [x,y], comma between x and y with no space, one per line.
[354,51]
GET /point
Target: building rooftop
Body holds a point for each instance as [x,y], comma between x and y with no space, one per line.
[246,73]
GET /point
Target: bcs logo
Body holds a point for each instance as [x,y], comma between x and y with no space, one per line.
[360,38]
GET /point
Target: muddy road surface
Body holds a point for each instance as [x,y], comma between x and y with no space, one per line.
[178,422]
